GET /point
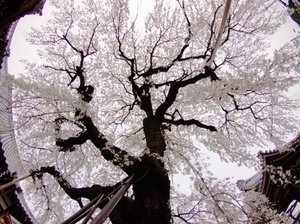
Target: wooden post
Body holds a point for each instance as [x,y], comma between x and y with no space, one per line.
[89,209]
[14,182]
[82,212]
[222,26]
[109,207]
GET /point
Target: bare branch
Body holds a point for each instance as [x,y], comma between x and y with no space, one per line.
[73,192]
[173,91]
[190,122]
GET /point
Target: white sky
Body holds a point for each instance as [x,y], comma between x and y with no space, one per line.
[20,49]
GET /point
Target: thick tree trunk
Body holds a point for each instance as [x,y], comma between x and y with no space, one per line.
[152,187]
[150,204]
[154,136]
[152,193]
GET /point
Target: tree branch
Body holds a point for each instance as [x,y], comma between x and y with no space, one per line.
[109,152]
[85,192]
[190,122]
[68,144]
[173,91]
[208,46]
[74,193]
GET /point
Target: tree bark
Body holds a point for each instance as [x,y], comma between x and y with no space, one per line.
[154,136]
[152,189]
[152,193]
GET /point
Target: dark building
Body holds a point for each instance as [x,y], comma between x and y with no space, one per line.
[11,11]
[13,207]
[294,10]
[279,179]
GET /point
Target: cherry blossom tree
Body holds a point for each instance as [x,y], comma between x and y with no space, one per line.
[121,93]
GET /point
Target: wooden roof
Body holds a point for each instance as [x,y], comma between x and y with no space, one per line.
[16,208]
[11,197]
[281,193]
[279,190]
[11,11]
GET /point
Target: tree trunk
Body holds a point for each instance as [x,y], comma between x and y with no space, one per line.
[154,136]
[152,193]
[152,188]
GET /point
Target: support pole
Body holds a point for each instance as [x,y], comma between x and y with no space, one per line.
[83,211]
[109,207]
[216,45]
[91,212]
[14,182]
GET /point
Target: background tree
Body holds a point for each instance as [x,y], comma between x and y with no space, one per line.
[116,96]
